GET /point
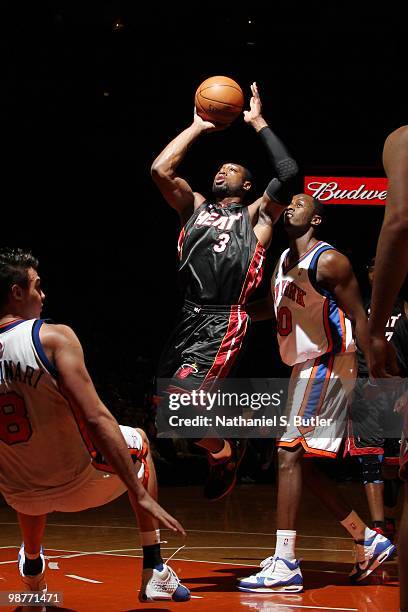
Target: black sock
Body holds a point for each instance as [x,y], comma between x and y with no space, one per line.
[32,567]
[379,524]
[152,556]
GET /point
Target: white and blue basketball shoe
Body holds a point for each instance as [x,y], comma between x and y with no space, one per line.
[162,583]
[277,575]
[369,555]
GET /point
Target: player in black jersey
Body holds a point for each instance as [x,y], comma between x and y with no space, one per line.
[222,248]
[366,440]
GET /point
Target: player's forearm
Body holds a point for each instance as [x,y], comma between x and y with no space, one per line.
[391,266]
[284,164]
[108,439]
[173,154]
[361,334]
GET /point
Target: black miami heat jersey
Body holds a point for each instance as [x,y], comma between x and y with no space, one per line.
[221,259]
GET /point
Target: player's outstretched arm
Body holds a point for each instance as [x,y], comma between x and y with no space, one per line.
[276,196]
[335,273]
[391,263]
[176,190]
[65,351]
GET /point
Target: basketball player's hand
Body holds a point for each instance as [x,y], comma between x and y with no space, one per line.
[401,405]
[207,126]
[383,359]
[255,106]
[148,504]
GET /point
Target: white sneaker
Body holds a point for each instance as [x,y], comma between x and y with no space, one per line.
[369,555]
[162,584]
[276,576]
[32,583]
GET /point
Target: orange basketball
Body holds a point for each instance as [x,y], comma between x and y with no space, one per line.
[219,99]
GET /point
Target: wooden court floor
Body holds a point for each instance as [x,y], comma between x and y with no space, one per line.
[94,557]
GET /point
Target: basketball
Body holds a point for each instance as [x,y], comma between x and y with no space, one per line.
[219,99]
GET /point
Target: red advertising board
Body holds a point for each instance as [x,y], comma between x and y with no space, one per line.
[347,190]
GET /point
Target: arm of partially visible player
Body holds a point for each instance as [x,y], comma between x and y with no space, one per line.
[391,264]
[176,191]
[334,272]
[262,309]
[65,352]
[275,198]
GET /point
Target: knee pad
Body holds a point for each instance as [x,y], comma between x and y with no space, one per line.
[371,468]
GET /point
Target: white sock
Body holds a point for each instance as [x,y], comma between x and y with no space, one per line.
[285,544]
[147,538]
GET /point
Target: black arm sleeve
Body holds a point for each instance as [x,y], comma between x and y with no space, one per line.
[286,167]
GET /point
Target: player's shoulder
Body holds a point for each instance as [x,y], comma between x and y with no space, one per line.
[400,134]
[334,263]
[57,333]
[396,141]
[198,199]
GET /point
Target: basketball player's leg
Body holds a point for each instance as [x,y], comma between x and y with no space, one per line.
[392,486]
[184,364]
[281,573]
[31,561]
[32,530]
[208,344]
[365,441]
[326,396]
[403,554]
[158,580]
[374,489]
[289,488]
[403,533]
[326,491]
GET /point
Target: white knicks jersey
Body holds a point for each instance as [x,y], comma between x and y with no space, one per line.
[41,446]
[309,321]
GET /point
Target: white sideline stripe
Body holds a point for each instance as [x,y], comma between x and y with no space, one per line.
[114,554]
[78,553]
[314,607]
[109,554]
[84,579]
[299,535]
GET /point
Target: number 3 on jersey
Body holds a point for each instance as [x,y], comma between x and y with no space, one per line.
[284,321]
[221,245]
[15,426]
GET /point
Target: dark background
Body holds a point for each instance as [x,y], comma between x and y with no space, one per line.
[92,91]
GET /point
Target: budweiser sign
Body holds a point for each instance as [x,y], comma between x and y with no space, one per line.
[347,190]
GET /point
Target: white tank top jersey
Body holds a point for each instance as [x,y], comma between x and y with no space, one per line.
[309,321]
[41,446]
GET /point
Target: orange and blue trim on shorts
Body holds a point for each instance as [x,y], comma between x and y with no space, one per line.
[312,402]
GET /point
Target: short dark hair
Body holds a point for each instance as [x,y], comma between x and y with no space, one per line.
[14,264]
[319,207]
